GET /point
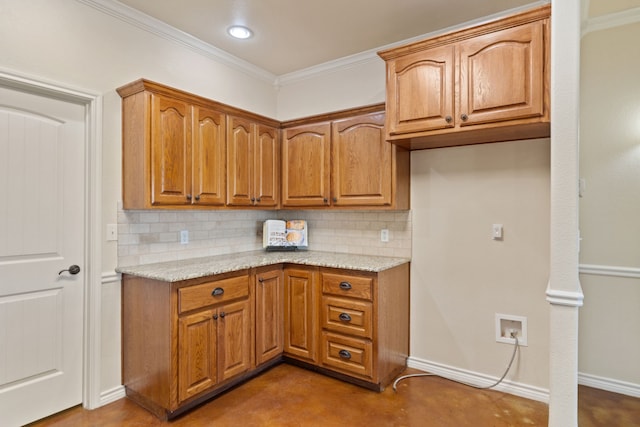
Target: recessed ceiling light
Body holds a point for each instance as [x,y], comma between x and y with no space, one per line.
[239,32]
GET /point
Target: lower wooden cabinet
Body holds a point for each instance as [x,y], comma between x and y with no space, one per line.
[354,325]
[187,341]
[269,301]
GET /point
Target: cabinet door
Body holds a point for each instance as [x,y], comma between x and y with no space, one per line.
[266,171]
[239,162]
[502,75]
[420,91]
[170,151]
[306,152]
[300,323]
[234,339]
[269,313]
[197,347]
[361,171]
[209,157]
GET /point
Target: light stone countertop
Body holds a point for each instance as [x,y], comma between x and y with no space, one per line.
[175,271]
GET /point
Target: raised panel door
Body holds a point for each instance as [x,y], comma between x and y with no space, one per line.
[239,162]
[269,315]
[208,157]
[234,339]
[266,166]
[300,313]
[502,75]
[361,172]
[420,91]
[197,347]
[306,159]
[170,151]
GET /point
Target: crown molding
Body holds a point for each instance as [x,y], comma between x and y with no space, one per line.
[612,20]
[155,26]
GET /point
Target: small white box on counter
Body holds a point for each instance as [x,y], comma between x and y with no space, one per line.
[284,235]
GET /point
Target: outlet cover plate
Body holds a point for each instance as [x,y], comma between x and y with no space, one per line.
[505,323]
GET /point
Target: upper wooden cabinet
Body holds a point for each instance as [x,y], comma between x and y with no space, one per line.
[306,159]
[253,153]
[484,84]
[175,151]
[343,160]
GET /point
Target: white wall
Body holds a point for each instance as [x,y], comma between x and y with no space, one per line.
[610,207]
[75,45]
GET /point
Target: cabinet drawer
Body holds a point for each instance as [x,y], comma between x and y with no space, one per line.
[347,316]
[193,297]
[347,286]
[350,355]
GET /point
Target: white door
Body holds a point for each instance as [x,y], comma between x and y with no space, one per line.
[42,192]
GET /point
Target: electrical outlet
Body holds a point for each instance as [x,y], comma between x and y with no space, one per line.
[184,237]
[507,325]
[112,232]
[496,232]
[384,235]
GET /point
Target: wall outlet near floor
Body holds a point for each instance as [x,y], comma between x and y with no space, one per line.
[506,324]
[184,237]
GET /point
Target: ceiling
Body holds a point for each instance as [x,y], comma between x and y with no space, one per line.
[292,35]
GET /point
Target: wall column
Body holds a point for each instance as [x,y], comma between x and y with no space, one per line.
[564,292]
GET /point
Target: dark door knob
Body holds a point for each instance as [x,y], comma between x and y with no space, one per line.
[73,269]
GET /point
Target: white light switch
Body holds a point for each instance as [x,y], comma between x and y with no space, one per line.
[112,232]
[496,232]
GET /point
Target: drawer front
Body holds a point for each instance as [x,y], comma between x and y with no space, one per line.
[197,296]
[347,286]
[352,356]
[347,316]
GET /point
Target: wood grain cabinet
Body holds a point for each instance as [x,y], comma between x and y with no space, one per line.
[269,301]
[483,84]
[364,320]
[343,161]
[185,341]
[300,313]
[253,163]
[173,149]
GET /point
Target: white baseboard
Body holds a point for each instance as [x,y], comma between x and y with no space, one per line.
[609,384]
[112,395]
[481,380]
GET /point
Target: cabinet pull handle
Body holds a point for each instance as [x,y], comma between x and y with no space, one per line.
[198,198]
[345,354]
[464,117]
[345,317]
[325,200]
[215,316]
[217,292]
[345,286]
[448,119]
[258,199]
[335,200]
[260,280]
[223,314]
[188,196]
[253,199]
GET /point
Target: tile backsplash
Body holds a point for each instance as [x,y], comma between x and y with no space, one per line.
[148,236]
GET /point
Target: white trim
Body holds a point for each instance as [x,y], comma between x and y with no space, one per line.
[609,384]
[610,270]
[110,396]
[92,215]
[372,54]
[110,277]
[612,20]
[167,32]
[567,298]
[511,387]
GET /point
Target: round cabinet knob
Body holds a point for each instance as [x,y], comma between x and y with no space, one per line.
[448,119]
[215,317]
[325,200]
[261,280]
[258,200]
[464,117]
[253,200]
[198,198]
[223,314]
[189,197]
[344,317]
[345,354]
